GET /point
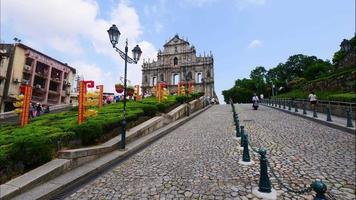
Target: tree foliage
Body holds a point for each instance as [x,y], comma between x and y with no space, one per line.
[296,70]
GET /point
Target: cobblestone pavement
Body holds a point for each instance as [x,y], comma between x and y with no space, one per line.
[200,160]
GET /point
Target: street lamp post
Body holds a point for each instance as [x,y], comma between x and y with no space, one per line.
[114,35]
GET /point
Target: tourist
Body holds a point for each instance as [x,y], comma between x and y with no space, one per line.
[38,109]
[255,101]
[213,100]
[312,99]
[31,111]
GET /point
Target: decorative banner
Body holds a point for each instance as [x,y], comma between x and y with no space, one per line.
[181,88]
[137,93]
[101,90]
[83,100]
[23,104]
[82,90]
[191,87]
[162,92]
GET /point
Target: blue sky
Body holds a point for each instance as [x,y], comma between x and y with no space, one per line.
[241,34]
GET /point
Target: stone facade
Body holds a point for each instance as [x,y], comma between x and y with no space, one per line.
[178,62]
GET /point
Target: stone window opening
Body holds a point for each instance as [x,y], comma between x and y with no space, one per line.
[198,77]
[175,79]
[154,81]
[175,61]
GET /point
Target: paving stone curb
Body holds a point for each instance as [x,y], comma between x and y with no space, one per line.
[320,121]
[56,188]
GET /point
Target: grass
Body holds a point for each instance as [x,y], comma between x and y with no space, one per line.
[321,95]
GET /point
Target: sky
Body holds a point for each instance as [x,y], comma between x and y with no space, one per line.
[241,34]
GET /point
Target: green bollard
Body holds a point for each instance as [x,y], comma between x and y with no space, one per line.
[265,184]
[349,119]
[328,115]
[289,105]
[246,153]
[284,104]
[279,103]
[242,134]
[304,109]
[238,128]
[320,188]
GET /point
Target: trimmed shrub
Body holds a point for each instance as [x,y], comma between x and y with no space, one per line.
[348,97]
[89,131]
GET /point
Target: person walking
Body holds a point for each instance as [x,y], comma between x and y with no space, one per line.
[31,111]
[312,99]
[38,109]
[255,101]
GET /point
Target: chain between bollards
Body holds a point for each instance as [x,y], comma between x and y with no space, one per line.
[264,184]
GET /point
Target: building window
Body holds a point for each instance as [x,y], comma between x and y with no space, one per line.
[208,74]
[175,79]
[162,77]
[154,81]
[175,61]
[145,81]
[175,49]
[198,77]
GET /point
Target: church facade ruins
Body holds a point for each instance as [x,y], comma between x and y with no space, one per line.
[178,62]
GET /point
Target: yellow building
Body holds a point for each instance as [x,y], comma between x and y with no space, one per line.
[51,79]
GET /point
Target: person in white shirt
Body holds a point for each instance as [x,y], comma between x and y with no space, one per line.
[312,99]
[255,101]
[255,98]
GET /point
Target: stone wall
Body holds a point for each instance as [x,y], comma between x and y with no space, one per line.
[341,83]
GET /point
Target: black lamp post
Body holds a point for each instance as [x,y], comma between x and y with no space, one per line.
[114,35]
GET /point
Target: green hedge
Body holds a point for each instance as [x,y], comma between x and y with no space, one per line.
[349,97]
[35,144]
[321,95]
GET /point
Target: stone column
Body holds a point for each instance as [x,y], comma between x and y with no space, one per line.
[47,84]
[33,73]
[61,88]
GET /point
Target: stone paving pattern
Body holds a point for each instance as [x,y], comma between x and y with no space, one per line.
[200,160]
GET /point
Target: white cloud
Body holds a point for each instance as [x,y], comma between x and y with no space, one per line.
[255,44]
[256,2]
[242,4]
[199,3]
[72,27]
[91,71]
[50,22]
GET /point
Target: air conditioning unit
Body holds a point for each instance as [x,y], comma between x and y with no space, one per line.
[66,83]
[24,81]
[16,80]
[38,86]
[27,68]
